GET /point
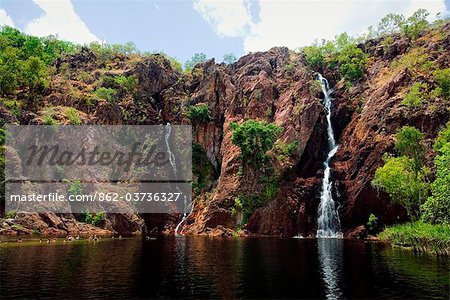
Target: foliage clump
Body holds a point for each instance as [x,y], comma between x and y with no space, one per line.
[442,78]
[372,224]
[437,207]
[72,114]
[24,60]
[254,138]
[342,53]
[415,96]
[108,94]
[404,178]
[198,114]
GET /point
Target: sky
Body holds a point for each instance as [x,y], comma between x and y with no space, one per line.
[182,28]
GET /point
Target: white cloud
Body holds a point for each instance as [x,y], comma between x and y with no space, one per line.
[229,18]
[60,19]
[298,23]
[5,19]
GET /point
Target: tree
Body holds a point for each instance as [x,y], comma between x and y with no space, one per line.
[416,24]
[410,143]
[352,62]
[405,178]
[35,73]
[195,59]
[399,180]
[443,138]
[10,70]
[437,208]
[229,58]
[390,24]
[254,138]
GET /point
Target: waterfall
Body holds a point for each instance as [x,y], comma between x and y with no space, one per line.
[328,224]
[175,171]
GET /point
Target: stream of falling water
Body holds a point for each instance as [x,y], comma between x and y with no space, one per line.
[328,223]
[175,171]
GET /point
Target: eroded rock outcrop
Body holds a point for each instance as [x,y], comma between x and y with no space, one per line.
[274,86]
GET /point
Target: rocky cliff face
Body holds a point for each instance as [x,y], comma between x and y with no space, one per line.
[274,86]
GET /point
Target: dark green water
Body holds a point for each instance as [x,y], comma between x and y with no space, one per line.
[199,267]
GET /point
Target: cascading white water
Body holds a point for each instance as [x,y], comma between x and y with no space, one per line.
[328,224]
[175,171]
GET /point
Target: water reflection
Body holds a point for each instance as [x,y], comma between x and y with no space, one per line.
[331,264]
[201,267]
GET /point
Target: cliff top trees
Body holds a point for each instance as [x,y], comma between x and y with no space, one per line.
[195,59]
[229,58]
[342,53]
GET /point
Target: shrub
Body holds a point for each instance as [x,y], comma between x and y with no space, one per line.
[76,188]
[372,224]
[108,94]
[289,69]
[11,214]
[254,138]
[85,77]
[286,150]
[13,105]
[249,203]
[94,219]
[198,114]
[175,63]
[72,114]
[35,73]
[342,53]
[415,97]
[314,56]
[98,218]
[442,78]
[127,83]
[48,118]
[106,52]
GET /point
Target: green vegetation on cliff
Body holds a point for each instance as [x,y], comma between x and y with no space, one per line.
[254,138]
[406,180]
[342,53]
